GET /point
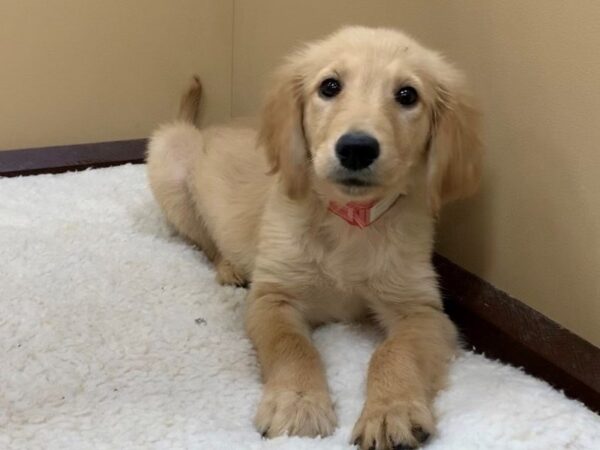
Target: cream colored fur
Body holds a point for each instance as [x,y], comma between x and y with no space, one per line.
[255,200]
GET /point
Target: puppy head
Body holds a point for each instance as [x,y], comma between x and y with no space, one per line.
[367,112]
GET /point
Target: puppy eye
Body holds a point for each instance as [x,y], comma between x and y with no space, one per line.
[407,96]
[329,88]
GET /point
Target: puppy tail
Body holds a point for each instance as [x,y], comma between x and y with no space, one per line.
[190,101]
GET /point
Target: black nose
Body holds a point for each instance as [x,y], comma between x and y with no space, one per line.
[356,151]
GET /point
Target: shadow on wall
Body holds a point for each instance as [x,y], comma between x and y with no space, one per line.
[470,221]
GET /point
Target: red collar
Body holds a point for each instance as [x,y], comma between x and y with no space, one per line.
[362,214]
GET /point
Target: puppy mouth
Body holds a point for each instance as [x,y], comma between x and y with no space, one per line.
[353,179]
[355,186]
[355,182]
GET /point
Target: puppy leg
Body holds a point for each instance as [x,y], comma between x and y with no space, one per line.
[295,398]
[405,373]
[171,153]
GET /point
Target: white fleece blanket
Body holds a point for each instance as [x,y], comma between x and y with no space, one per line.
[113,335]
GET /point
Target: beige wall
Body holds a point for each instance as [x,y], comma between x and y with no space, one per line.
[265,30]
[534,230]
[77,71]
[110,70]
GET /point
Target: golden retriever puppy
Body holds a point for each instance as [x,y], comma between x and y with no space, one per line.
[328,209]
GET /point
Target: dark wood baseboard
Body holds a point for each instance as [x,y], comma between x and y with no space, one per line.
[66,158]
[490,321]
[502,327]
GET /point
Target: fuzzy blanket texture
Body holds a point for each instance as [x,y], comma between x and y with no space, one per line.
[114,335]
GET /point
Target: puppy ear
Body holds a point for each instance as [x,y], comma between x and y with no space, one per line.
[454,161]
[281,131]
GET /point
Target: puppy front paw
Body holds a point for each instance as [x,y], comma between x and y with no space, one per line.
[297,413]
[393,426]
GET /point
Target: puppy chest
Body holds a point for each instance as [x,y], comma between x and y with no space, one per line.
[325,302]
[351,266]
